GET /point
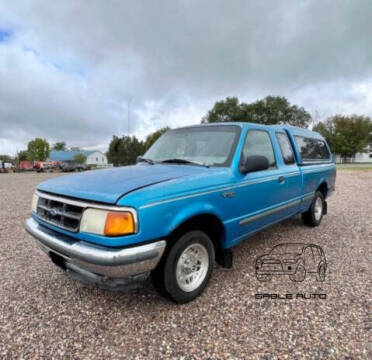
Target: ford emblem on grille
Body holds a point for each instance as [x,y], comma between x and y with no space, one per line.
[53,212]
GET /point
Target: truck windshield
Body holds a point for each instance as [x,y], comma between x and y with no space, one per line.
[205,145]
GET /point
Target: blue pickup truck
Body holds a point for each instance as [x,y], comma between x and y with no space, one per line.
[196,193]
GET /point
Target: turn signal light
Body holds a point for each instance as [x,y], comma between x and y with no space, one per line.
[119,223]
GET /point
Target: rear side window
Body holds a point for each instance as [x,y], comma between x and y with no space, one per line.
[258,142]
[285,148]
[312,149]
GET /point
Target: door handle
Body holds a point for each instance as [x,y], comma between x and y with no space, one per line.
[281,179]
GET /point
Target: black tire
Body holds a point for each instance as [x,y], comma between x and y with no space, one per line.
[321,273]
[309,217]
[300,273]
[164,276]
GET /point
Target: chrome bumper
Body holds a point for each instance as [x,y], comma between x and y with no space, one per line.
[91,261]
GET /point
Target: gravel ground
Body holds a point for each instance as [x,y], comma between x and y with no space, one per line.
[44,314]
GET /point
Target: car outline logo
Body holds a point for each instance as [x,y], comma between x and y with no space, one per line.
[293,259]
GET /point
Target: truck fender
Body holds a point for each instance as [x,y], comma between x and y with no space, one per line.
[190,211]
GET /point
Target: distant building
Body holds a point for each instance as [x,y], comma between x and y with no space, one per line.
[360,157]
[94,157]
[366,156]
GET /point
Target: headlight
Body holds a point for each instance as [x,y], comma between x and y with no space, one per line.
[108,223]
[35,199]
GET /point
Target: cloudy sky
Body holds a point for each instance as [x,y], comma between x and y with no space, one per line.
[69,68]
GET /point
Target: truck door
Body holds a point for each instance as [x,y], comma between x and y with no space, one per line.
[290,170]
[264,197]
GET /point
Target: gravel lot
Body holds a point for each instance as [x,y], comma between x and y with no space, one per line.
[44,314]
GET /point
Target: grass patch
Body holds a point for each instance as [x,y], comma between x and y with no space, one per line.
[356,167]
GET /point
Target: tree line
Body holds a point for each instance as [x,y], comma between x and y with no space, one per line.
[39,149]
[346,135]
[122,150]
[125,150]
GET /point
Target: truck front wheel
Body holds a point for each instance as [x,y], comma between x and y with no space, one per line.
[184,272]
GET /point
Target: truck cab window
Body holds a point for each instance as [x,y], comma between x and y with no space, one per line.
[312,149]
[285,148]
[257,142]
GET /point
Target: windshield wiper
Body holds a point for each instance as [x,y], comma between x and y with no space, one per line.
[142,159]
[183,161]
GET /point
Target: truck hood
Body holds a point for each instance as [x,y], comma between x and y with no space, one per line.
[107,186]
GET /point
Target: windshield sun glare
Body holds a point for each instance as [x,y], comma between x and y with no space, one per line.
[207,145]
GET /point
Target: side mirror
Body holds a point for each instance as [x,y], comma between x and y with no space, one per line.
[254,163]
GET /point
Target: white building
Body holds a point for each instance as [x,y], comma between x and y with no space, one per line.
[94,157]
[364,157]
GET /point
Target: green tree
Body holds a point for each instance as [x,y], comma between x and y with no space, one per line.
[226,110]
[346,135]
[80,158]
[38,149]
[23,155]
[150,139]
[277,110]
[268,111]
[6,158]
[326,129]
[60,146]
[113,155]
[124,150]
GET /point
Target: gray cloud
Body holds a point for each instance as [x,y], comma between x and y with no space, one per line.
[70,67]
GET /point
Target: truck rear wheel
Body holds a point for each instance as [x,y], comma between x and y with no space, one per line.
[314,215]
[185,271]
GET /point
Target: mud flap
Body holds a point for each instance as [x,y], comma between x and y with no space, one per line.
[224,258]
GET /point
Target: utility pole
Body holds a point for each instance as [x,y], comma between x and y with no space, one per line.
[314,117]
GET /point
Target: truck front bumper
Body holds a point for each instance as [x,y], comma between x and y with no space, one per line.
[108,267]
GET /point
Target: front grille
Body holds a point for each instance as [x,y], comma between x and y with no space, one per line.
[59,213]
[271,266]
